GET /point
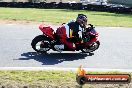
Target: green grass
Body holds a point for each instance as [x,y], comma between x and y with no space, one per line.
[31,76]
[33,79]
[36,78]
[58,16]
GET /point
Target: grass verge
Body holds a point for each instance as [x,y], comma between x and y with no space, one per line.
[48,79]
[58,16]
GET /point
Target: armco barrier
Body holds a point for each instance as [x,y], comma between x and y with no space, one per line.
[73,6]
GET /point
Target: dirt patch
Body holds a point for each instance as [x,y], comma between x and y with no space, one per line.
[17,22]
[22,22]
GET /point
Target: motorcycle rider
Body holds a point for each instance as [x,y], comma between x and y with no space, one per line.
[77,26]
[71,30]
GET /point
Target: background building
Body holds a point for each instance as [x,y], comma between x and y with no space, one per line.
[123,2]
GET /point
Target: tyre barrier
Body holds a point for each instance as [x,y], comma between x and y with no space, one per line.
[72,6]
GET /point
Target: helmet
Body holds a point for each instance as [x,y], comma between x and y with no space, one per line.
[82,19]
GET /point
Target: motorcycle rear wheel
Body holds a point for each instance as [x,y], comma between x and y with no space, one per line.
[41,44]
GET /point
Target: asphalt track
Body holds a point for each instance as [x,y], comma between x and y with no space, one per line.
[115,51]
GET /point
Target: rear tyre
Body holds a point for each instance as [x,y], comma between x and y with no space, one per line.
[41,44]
[92,48]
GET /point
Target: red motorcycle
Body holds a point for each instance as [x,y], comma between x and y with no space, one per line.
[50,40]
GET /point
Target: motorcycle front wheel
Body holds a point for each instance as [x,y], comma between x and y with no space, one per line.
[41,44]
[92,48]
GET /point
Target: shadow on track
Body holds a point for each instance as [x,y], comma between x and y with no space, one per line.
[53,58]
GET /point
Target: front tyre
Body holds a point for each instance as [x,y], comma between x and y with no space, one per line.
[92,48]
[41,44]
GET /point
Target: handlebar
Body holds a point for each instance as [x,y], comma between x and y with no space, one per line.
[86,29]
[91,25]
